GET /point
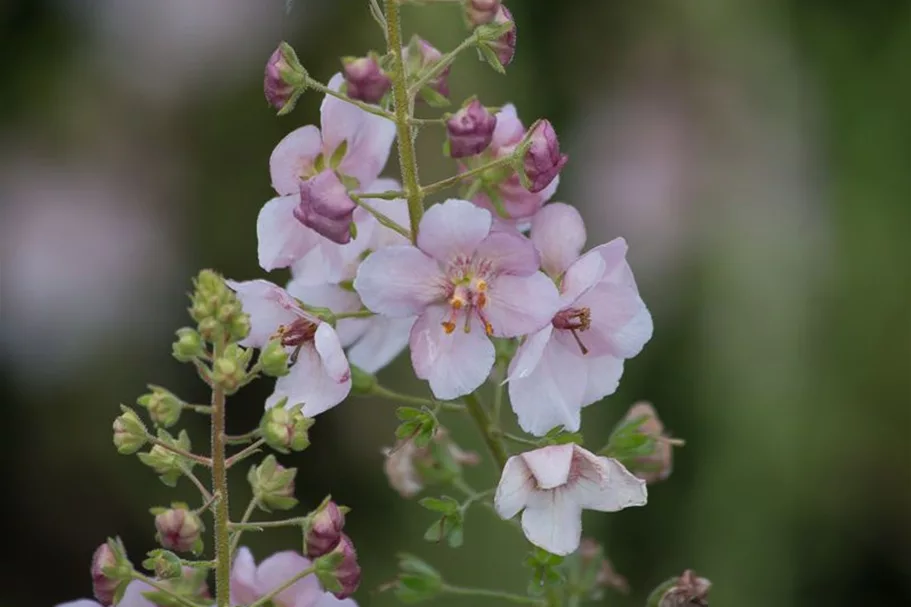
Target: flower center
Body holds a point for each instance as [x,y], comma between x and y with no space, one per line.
[574,320]
[295,336]
[469,298]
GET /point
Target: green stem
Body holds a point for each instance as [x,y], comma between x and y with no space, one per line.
[498,390]
[387,195]
[202,409]
[235,541]
[220,486]
[457,179]
[241,439]
[438,67]
[401,105]
[245,453]
[476,410]
[408,399]
[188,472]
[263,600]
[199,459]
[288,522]
[491,594]
[179,600]
[367,107]
[358,314]
[380,217]
[520,440]
[208,504]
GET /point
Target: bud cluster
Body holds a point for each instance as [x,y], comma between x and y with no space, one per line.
[216,309]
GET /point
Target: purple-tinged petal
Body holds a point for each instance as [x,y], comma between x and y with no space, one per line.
[528,355]
[514,489]
[519,305]
[454,363]
[549,465]
[383,340]
[308,383]
[335,298]
[269,307]
[278,569]
[604,373]
[558,233]
[509,252]
[331,353]
[581,277]
[509,130]
[603,484]
[553,521]
[243,578]
[281,238]
[292,159]
[329,600]
[399,281]
[453,229]
[620,323]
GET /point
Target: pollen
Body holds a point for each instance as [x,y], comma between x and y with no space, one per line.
[457,302]
[482,300]
[448,326]
[488,328]
[480,285]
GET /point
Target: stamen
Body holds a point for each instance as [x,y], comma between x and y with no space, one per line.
[448,326]
[579,342]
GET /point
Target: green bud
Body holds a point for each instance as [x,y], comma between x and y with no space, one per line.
[273,485]
[167,464]
[217,310]
[417,581]
[164,408]
[165,564]
[274,359]
[209,329]
[129,432]
[230,370]
[239,327]
[284,429]
[188,345]
[362,382]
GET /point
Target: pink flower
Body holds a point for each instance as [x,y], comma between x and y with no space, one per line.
[306,152]
[325,207]
[466,283]
[250,582]
[577,359]
[319,377]
[554,484]
[131,598]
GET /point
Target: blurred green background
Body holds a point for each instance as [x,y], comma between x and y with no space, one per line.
[755,154]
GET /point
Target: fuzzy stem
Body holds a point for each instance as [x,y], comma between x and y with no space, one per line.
[408,399]
[259,526]
[367,107]
[188,472]
[457,179]
[401,105]
[235,541]
[492,594]
[220,487]
[380,217]
[476,410]
[245,453]
[199,459]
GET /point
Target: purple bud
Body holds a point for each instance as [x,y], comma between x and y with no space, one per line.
[284,76]
[325,207]
[480,12]
[470,130]
[543,160]
[688,590]
[103,586]
[348,572]
[426,57]
[325,531]
[178,529]
[366,79]
[505,46]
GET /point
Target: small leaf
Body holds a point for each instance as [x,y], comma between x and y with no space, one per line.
[445,505]
[490,56]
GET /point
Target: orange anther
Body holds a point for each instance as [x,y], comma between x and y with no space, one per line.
[448,326]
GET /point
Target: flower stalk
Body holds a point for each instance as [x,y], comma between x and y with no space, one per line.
[220,487]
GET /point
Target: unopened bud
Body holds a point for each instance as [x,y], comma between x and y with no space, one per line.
[188,345]
[421,57]
[342,574]
[480,12]
[129,432]
[365,78]
[325,530]
[110,570]
[165,462]
[164,408]
[285,79]
[498,36]
[325,207]
[273,485]
[274,359]
[688,591]
[470,130]
[216,309]
[179,529]
[230,370]
[543,160]
[285,430]
[165,564]
[657,465]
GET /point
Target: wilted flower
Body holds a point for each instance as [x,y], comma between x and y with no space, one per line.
[325,530]
[470,130]
[406,464]
[366,80]
[543,160]
[325,207]
[554,484]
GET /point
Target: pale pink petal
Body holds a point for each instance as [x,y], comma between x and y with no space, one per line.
[528,355]
[514,489]
[509,130]
[282,239]
[399,281]
[620,323]
[558,233]
[279,568]
[553,521]
[243,578]
[453,363]
[509,252]
[269,307]
[328,261]
[617,270]
[603,484]
[604,373]
[308,383]
[453,229]
[133,595]
[369,136]
[396,210]
[551,394]
[292,159]
[383,340]
[519,305]
[80,603]
[549,465]
[328,600]
[581,276]
[548,192]
[330,351]
[335,298]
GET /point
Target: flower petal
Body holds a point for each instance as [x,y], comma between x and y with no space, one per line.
[552,521]
[509,130]
[519,305]
[509,252]
[243,578]
[292,159]
[514,489]
[335,298]
[621,324]
[551,394]
[528,355]
[331,262]
[452,229]
[603,377]
[454,363]
[330,352]
[369,136]
[603,484]
[133,595]
[581,276]
[383,340]
[269,307]
[558,233]
[279,568]
[309,383]
[328,600]
[399,281]
[282,239]
[80,603]
[549,465]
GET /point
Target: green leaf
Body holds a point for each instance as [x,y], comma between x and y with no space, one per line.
[455,537]
[445,505]
[338,155]
[490,56]
[433,98]
[435,532]
[408,413]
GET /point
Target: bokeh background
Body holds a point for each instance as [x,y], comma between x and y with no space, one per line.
[755,154]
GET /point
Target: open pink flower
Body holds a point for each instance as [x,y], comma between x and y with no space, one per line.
[320,376]
[466,283]
[577,359]
[307,151]
[131,598]
[554,484]
[250,582]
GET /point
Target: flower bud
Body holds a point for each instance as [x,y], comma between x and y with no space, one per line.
[216,309]
[165,564]
[273,485]
[325,207]
[365,78]
[164,408]
[165,462]
[274,359]
[284,429]
[109,570]
[342,575]
[188,345]
[470,130]
[503,44]
[129,432]
[543,160]
[179,529]
[230,370]
[687,591]
[325,530]
[657,465]
[285,78]
[421,57]
[480,12]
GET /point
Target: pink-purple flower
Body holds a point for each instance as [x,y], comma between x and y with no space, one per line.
[577,358]
[543,160]
[466,283]
[554,484]
[325,207]
[470,130]
[250,582]
[366,80]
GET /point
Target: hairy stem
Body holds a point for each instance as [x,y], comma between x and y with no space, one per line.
[220,487]
[206,496]
[258,526]
[408,399]
[457,179]
[235,541]
[367,107]
[245,453]
[479,415]
[380,217]
[402,106]
[199,459]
